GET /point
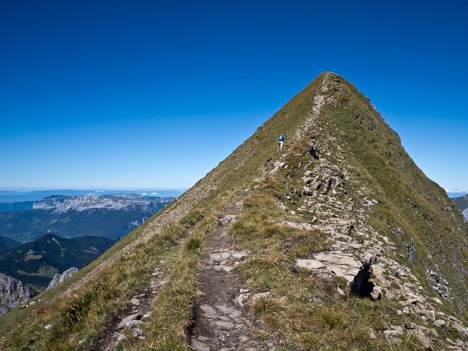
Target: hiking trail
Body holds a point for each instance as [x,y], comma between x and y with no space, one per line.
[221,319]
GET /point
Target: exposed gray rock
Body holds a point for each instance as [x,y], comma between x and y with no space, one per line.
[260,295]
[59,278]
[462,331]
[227,219]
[410,251]
[128,319]
[3,310]
[224,325]
[376,293]
[432,333]
[209,311]
[337,259]
[439,284]
[440,323]
[13,293]
[410,325]
[428,314]
[391,335]
[423,339]
[199,346]
[309,264]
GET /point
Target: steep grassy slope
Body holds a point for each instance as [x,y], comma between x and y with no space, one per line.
[343,190]
[406,199]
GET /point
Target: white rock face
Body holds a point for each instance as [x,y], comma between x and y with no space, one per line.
[465,213]
[58,278]
[63,204]
[335,262]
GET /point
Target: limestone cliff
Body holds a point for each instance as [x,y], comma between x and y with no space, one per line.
[13,292]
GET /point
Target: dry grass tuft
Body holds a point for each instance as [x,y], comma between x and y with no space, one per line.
[334,318]
[266,305]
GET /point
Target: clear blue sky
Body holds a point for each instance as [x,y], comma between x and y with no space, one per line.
[153,94]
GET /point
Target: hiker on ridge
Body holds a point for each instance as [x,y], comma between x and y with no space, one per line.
[281,140]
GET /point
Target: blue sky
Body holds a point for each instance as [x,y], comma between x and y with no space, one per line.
[152,94]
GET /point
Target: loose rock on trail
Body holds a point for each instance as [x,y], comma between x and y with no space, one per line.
[221,319]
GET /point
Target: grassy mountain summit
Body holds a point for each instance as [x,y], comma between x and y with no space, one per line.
[337,242]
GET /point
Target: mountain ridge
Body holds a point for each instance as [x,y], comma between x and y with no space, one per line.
[295,229]
[462,204]
[111,216]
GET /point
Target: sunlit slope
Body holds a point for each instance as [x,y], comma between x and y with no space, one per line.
[101,288]
[342,187]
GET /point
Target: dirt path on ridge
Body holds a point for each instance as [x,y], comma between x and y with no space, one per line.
[221,320]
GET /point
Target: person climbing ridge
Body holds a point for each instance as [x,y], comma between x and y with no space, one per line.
[281,140]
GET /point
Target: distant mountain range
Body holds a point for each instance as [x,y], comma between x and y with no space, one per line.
[111,216]
[462,204]
[36,263]
[28,197]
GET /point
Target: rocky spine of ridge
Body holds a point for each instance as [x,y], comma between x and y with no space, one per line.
[371,262]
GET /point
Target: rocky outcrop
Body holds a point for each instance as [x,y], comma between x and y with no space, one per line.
[58,278]
[439,284]
[410,251]
[13,293]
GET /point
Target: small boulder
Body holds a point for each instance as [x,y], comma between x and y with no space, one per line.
[428,314]
[462,331]
[432,333]
[376,293]
[199,346]
[410,325]
[128,319]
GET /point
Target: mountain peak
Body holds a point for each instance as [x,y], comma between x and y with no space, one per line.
[335,239]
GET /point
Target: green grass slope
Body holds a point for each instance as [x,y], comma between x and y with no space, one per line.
[331,128]
[406,198]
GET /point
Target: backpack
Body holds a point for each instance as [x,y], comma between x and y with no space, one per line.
[282,137]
